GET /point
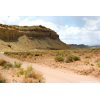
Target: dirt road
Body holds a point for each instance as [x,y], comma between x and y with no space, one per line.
[56,75]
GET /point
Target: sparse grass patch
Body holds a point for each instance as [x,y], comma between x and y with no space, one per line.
[76,58]
[30,75]
[59,58]
[72,58]
[20,72]
[7,65]
[17,64]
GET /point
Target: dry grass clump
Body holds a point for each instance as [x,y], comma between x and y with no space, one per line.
[24,55]
[72,58]
[30,75]
[7,65]
[67,58]
[17,65]
[59,58]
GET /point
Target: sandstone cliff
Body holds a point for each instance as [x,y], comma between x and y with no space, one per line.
[29,38]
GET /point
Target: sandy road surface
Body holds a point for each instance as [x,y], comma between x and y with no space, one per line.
[56,75]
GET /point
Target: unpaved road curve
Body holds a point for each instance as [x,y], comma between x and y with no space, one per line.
[56,75]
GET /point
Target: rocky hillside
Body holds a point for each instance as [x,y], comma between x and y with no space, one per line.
[29,38]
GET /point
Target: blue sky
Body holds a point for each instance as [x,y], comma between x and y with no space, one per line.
[71,29]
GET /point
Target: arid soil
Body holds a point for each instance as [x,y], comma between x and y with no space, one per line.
[59,72]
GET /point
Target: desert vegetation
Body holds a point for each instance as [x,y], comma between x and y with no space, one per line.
[72,58]
[15,73]
[30,75]
[81,61]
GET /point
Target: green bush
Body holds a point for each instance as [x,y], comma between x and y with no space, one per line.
[72,58]
[59,58]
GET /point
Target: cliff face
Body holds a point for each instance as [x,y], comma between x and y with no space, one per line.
[30,37]
[12,34]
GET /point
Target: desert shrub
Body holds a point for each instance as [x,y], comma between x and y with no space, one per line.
[59,58]
[20,72]
[7,65]
[28,71]
[60,53]
[30,75]
[2,79]
[69,59]
[72,58]
[2,62]
[17,64]
[76,58]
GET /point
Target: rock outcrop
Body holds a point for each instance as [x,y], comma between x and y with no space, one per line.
[30,37]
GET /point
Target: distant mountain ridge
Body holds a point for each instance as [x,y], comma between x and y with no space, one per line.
[78,46]
[95,46]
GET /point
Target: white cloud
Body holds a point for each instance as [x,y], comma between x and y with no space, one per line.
[9,19]
[38,22]
[92,24]
[13,19]
[76,35]
[88,34]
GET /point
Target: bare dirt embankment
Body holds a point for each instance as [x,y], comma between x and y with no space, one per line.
[52,75]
